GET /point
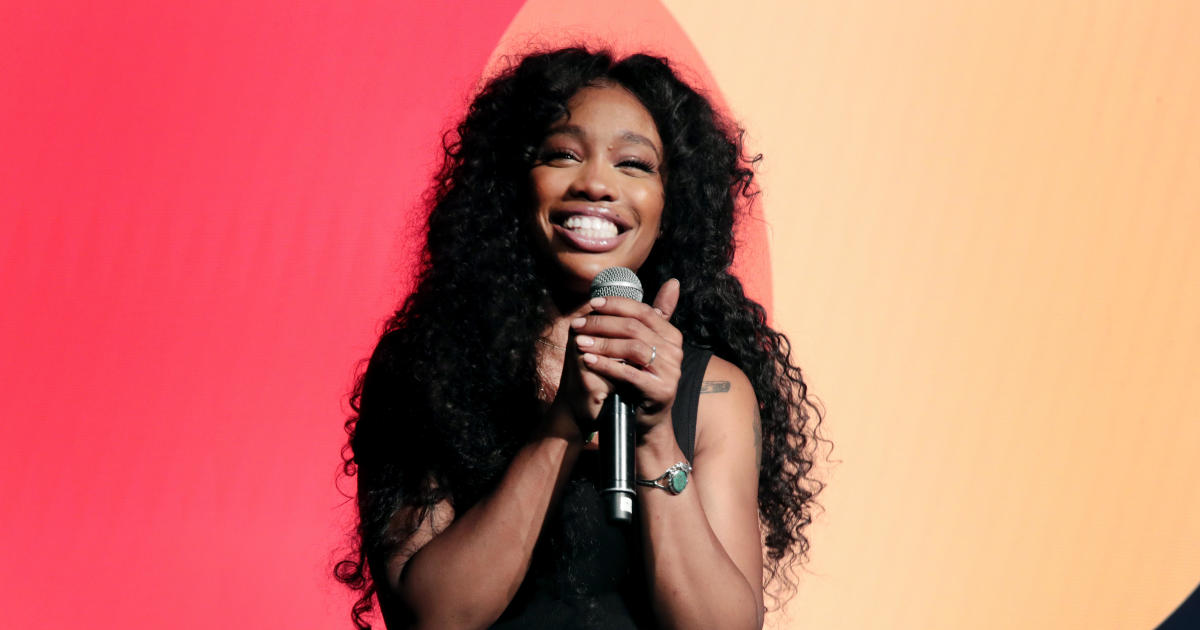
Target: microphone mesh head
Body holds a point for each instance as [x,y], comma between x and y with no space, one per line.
[617,281]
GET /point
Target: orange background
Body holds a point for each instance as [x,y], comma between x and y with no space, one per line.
[979,228]
[984,221]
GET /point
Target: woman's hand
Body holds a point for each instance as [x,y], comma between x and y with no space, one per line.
[623,343]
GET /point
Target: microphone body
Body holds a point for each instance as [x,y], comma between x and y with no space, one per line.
[616,457]
[617,422]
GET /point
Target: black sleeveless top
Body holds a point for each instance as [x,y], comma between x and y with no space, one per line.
[585,573]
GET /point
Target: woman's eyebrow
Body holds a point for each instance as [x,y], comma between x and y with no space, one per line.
[575,131]
[636,138]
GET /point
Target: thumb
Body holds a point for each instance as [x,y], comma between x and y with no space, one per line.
[667,298]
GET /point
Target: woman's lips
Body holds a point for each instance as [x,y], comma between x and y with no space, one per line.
[595,245]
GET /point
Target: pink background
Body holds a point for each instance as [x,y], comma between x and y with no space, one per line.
[207,213]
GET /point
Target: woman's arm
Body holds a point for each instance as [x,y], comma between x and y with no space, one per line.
[461,571]
[703,546]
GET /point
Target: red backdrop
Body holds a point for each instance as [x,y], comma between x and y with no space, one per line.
[204,220]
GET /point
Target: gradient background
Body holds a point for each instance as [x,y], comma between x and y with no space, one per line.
[977,227]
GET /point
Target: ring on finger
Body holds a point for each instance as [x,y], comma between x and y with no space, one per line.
[653,355]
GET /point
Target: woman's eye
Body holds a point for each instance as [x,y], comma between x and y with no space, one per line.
[640,165]
[556,155]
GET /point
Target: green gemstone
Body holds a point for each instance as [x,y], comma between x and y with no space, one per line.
[678,481]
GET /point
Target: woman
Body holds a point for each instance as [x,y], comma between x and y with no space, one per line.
[473,441]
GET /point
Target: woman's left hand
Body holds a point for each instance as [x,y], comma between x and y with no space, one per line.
[626,342]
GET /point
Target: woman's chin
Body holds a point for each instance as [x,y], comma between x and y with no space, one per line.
[569,273]
[578,283]
[576,275]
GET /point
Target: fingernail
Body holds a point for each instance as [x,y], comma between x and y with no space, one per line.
[597,302]
[584,340]
[578,322]
[659,311]
[589,358]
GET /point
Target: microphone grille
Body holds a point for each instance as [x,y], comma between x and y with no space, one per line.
[618,281]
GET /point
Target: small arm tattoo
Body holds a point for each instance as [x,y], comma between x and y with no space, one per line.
[714,387]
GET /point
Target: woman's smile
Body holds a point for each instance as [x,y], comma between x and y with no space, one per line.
[595,229]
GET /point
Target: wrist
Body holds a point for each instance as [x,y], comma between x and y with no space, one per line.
[560,423]
[673,481]
[656,451]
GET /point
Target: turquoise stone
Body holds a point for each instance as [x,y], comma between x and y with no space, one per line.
[678,481]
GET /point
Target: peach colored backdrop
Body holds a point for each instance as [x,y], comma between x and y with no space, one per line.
[984,219]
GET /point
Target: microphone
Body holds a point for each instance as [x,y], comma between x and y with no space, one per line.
[617,415]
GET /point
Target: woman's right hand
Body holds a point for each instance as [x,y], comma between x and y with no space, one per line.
[615,329]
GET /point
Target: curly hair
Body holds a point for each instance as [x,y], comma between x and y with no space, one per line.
[484,401]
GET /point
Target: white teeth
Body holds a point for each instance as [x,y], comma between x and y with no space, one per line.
[591,227]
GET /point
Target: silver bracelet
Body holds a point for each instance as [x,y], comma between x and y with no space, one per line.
[673,481]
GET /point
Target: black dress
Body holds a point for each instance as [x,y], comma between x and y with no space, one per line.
[585,573]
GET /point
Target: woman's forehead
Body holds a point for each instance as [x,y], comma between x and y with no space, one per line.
[608,113]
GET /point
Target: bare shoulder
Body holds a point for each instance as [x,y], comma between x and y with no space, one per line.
[728,407]
[721,376]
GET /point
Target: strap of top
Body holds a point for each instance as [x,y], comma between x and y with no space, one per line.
[687,398]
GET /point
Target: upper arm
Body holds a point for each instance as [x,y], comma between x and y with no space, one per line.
[726,463]
[414,528]
[381,437]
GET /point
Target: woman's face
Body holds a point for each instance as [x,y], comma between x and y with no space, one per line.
[598,186]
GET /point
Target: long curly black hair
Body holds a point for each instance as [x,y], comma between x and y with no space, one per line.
[435,422]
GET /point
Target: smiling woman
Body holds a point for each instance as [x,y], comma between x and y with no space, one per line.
[478,490]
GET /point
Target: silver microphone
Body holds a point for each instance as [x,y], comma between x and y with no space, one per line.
[616,416]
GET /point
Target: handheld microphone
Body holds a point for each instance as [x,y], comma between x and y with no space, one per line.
[617,415]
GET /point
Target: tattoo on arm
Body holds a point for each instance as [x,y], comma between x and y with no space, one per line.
[721,387]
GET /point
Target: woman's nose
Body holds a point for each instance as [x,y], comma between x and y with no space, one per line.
[593,181]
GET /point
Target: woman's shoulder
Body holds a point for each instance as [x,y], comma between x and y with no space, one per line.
[728,407]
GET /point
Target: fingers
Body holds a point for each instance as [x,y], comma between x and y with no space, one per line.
[625,318]
[628,339]
[657,388]
[667,298]
[625,341]
[596,388]
[653,316]
[636,352]
[632,333]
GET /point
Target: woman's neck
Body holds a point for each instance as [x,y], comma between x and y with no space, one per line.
[561,307]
